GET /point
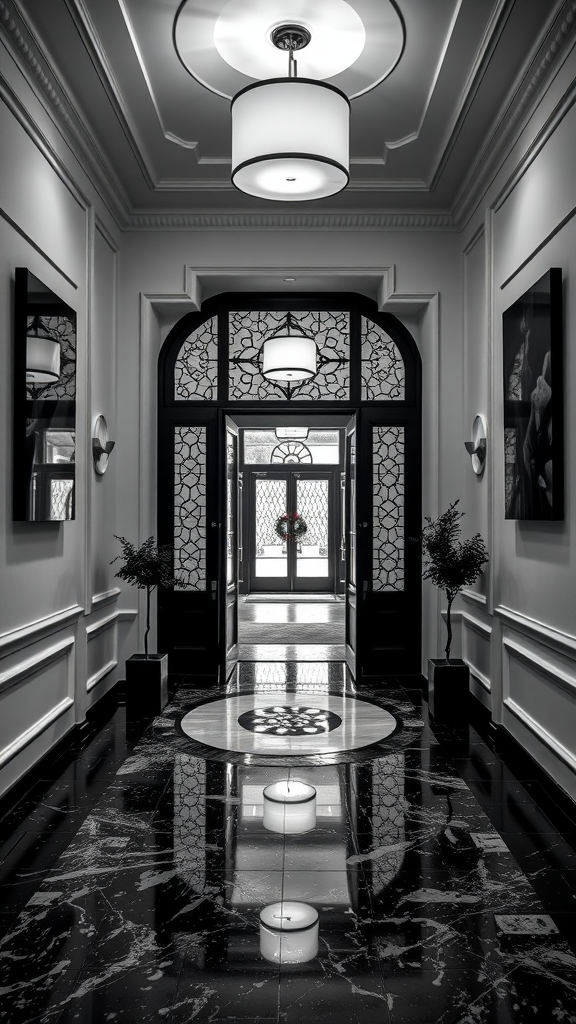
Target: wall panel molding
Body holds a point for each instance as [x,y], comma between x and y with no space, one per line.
[16,673]
[482,628]
[23,636]
[554,673]
[540,733]
[25,738]
[100,674]
[547,636]
[106,597]
[474,597]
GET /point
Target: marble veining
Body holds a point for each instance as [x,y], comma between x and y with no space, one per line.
[150,910]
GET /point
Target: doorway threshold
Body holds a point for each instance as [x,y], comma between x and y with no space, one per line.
[267,597]
[291,652]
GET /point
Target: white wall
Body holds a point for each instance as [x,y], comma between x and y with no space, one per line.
[59,617]
[519,625]
[422,270]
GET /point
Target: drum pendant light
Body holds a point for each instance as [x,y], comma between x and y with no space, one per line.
[290,136]
[290,354]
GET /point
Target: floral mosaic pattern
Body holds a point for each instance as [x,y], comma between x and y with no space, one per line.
[190,506]
[382,365]
[286,720]
[388,509]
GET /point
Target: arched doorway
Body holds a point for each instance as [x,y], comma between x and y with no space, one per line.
[210,383]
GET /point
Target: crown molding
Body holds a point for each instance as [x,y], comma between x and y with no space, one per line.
[278,221]
[45,83]
[558,40]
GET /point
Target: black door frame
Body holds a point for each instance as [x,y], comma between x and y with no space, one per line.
[264,585]
[200,623]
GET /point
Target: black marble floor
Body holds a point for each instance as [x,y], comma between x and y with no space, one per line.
[443,872]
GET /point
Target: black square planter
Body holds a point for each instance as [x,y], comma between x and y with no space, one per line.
[146,685]
[448,690]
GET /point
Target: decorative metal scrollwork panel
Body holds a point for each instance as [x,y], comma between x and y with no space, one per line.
[249,330]
[196,368]
[388,508]
[383,375]
[190,506]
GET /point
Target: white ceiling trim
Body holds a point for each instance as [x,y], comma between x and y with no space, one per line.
[91,40]
[279,221]
[559,40]
[354,185]
[397,143]
[61,110]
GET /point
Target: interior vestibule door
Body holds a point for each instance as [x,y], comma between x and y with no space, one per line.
[290,566]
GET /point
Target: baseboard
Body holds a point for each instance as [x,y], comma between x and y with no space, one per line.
[75,739]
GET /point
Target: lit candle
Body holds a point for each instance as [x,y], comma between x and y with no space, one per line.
[289,807]
[289,932]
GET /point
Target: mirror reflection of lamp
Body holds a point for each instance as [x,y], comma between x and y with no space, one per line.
[42,355]
[289,932]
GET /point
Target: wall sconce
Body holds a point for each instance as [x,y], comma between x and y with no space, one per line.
[101,446]
[289,932]
[476,448]
[289,807]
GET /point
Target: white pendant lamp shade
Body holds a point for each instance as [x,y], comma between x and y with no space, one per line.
[289,357]
[289,932]
[289,807]
[290,139]
[42,359]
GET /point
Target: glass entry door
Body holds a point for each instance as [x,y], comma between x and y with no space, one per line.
[307,561]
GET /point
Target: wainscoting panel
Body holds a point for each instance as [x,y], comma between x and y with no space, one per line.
[476,637]
[539,703]
[101,655]
[36,705]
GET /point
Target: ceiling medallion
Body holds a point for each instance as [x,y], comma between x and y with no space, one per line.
[290,127]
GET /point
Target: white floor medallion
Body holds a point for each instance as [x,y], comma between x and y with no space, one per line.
[295,724]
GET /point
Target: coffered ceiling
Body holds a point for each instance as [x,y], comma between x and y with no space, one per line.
[416,139]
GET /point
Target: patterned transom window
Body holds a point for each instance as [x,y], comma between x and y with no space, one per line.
[382,372]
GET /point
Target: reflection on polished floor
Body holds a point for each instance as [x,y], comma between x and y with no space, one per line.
[442,872]
[291,627]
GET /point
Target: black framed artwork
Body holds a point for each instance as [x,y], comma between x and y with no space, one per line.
[533,406]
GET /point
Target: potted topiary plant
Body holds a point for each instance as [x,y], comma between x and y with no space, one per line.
[451,565]
[146,567]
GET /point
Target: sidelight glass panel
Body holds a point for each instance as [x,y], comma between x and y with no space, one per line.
[190,506]
[271,552]
[312,550]
[196,367]
[388,508]
[382,365]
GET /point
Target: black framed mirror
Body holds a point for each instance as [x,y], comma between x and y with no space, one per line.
[44,403]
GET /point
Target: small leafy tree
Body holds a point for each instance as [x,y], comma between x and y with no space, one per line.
[147,567]
[452,563]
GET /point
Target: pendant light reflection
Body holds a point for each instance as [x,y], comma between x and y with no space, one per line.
[42,358]
[290,354]
[289,932]
[289,807]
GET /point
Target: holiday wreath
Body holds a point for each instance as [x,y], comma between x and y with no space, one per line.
[290,526]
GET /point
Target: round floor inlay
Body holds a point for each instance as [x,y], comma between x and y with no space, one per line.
[287,720]
[303,723]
